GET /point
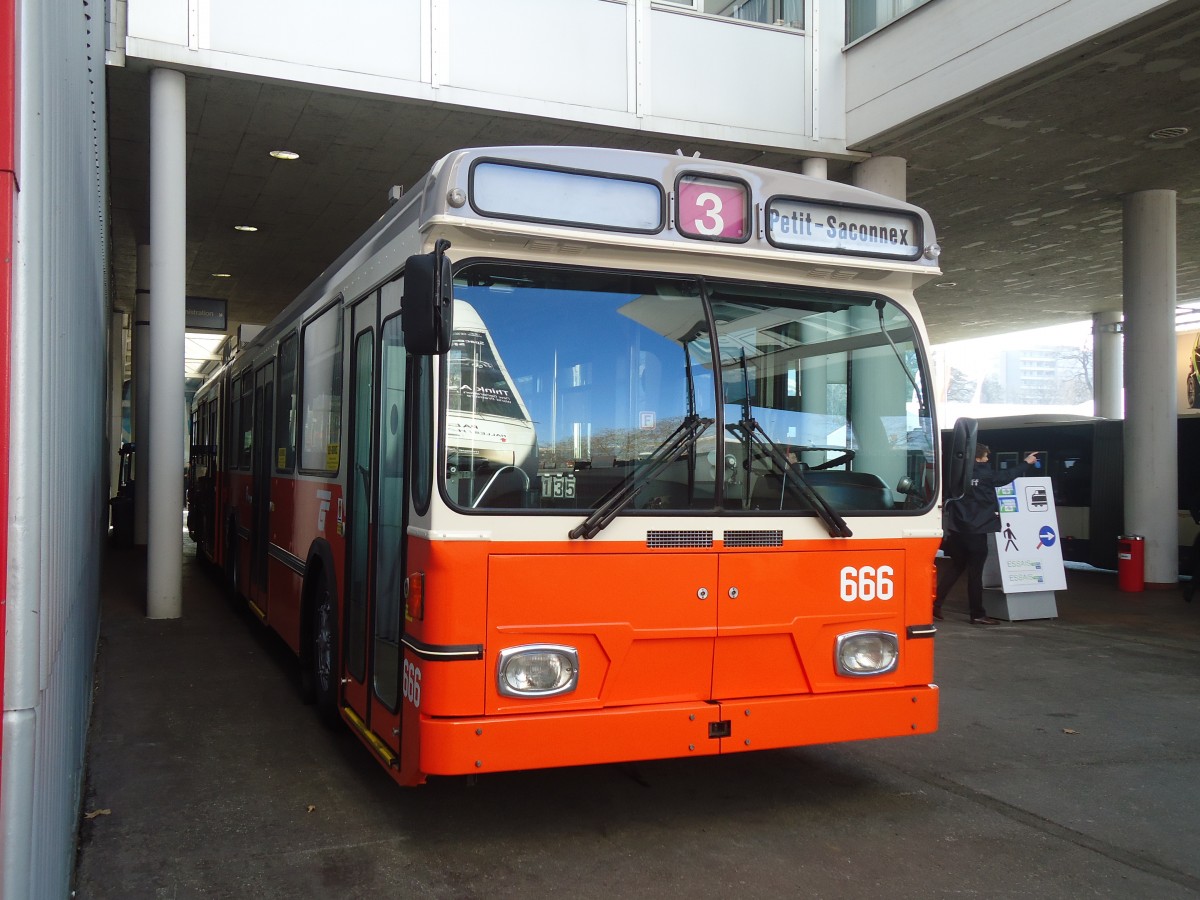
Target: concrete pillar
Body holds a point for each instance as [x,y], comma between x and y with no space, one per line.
[1151,449]
[815,167]
[168,198]
[814,374]
[876,392]
[1108,348]
[140,423]
[884,175]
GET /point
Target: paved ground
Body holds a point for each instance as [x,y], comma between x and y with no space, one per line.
[1067,765]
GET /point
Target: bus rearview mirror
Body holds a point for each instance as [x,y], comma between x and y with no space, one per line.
[427,308]
[962,457]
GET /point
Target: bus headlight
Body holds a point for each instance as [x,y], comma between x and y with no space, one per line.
[867,653]
[537,670]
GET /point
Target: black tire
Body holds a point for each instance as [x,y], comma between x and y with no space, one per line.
[323,658]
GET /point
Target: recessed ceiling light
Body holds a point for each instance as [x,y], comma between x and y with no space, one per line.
[221,275]
[245,228]
[285,154]
[946,284]
[1168,134]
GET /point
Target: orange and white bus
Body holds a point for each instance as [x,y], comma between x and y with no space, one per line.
[587,455]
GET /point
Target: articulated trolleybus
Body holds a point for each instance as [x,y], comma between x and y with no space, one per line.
[581,456]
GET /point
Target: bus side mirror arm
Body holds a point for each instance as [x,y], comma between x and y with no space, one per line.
[427,307]
[962,458]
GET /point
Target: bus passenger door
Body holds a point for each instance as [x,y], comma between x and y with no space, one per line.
[216,468]
[375,521]
[390,524]
[359,478]
[260,513]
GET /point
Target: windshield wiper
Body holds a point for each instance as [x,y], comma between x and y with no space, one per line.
[752,433]
[681,441]
[686,435]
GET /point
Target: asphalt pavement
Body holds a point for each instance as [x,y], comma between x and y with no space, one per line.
[1066,765]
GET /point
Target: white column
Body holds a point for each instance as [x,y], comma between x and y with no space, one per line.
[884,175]
[1151,452]
[140,421]
[876,392]
[168,197]
[815,167]
[1108,348]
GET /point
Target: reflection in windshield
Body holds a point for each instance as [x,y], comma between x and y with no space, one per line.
[562,384]
[488,429]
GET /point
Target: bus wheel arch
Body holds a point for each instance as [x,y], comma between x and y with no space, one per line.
[319,674]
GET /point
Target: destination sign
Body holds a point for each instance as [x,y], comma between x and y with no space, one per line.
[802,225]
[715,208]
[557,196]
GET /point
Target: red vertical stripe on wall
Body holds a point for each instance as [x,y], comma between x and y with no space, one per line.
[8,188]
[8,91]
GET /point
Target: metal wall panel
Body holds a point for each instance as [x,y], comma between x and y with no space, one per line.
[964,46]
[727,73]
[56,402]
[569,51]
[626,64]
[386,39]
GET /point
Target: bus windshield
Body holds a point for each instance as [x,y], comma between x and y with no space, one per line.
[569,389]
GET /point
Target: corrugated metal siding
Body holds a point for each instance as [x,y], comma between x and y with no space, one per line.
[57,404]
[8,190]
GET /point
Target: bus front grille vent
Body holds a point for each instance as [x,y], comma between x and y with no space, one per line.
[761,538]
[657,540]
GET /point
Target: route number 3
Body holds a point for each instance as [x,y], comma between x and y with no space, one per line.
[712,208]
[412,683]
[867,583]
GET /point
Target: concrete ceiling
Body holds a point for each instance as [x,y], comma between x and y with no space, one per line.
[1024,182]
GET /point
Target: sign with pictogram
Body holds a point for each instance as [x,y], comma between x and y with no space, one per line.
[1028,554]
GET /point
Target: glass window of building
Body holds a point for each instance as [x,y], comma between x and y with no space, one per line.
[865,16]
[789,13]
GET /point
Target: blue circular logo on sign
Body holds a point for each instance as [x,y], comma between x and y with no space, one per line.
[1047,537]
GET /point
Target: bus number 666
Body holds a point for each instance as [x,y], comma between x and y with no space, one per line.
[412,683]
[866,583]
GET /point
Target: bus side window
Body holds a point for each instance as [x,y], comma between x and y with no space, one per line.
[321,389]
[285,407]
[246,439]
[235,433]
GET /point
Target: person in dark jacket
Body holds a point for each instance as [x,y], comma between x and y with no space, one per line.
[967,522]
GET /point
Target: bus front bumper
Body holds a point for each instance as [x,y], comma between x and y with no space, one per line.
[546,740]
